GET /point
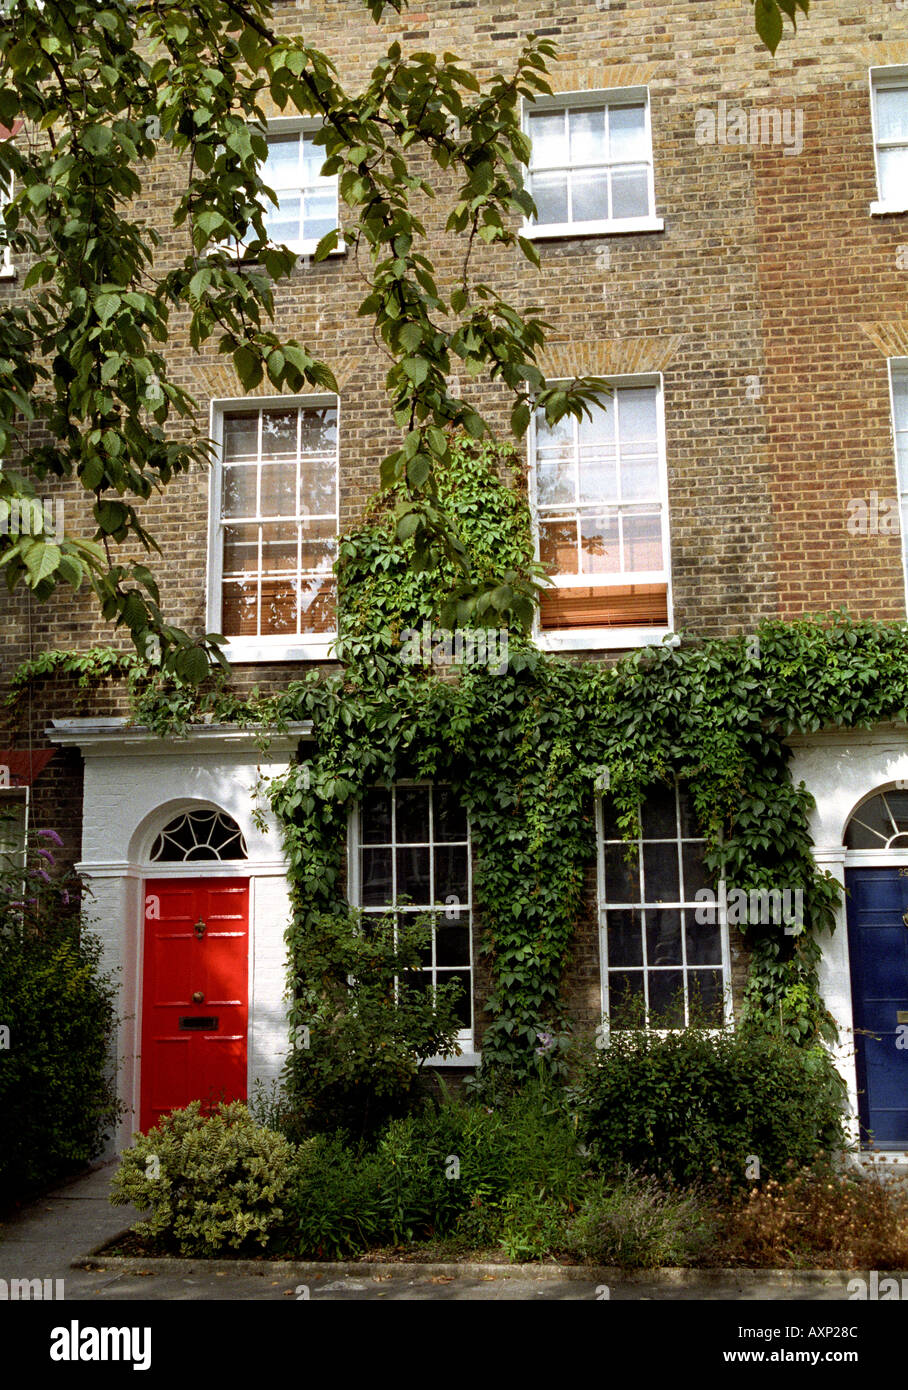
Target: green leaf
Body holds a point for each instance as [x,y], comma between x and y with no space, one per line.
[768,18]
[42,559]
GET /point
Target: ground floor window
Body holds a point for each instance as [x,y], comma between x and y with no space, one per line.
[13,827]
[412,855]
[662,964]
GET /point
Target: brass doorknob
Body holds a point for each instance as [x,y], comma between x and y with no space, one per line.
[198,997]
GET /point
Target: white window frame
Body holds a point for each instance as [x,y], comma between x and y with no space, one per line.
[468,1056]
[614,96]
[898,366]
[301,125]
[885,77]
[610,638]
[7,269]
[603,905]
[22,795]
[275,646]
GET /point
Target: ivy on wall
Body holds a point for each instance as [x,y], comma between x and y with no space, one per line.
[526,745]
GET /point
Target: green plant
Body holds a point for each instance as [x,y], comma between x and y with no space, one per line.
[533,1224]
[638,1224]
[701,1106]
[334,1208]
[56,1094]
[210,1181]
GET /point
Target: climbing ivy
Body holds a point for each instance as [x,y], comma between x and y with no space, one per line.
[526,746]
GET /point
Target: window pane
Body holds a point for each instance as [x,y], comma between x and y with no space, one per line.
[900,399]
[241,549]
[630,193]
[549,192]
[892,113]
[282,223]
[622,876]
[625,938]
[625,998]
[375,817]
[239,608]
[317,604]
[694,870]
[705,996]
[318,486]
[282,167]
[241,436]
[898,808]
[464,1006]
[547,132]
[279,489]
[554,481]
[642,541]
[12,831]
[313,158]
[894,174]
[412,815]
[598,467]
[318,430]
[558,545]
[450,816]
[663,937]
[627,133]
[376,877]
[666,998]
[413,874]
[319,546]
[660,873]
[451,873]
[280,606]
[637,418]
[319,213]
[601,552]
[690,826]
[704,943]
[452,944]
[279,434]
[279,546]
[869,827]
[589,196]
[658,814]
[588,136]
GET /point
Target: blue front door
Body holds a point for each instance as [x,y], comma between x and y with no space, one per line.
[878,946]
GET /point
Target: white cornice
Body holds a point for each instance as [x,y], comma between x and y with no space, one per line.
[111,738]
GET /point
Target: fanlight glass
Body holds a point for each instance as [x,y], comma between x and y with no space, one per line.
[197,835]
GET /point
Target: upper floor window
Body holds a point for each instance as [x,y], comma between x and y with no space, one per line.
[306,202]
[602,512]
[889,95]
[413,857]
[591,167]
[664,956]
[275,500]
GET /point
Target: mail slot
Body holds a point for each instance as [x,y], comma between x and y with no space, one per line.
[901,1016]
[204,1023]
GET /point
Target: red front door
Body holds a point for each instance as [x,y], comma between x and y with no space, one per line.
[195,1004]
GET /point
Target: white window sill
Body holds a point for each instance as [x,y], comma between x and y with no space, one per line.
[620,226]
[249,649]
[467,1058]
[887,209]
[583,639]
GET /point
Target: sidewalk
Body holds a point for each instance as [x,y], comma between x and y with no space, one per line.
[66,1225]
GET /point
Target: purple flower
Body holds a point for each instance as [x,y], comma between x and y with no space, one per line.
[46,854]
[42,873]
[51,835]
[546,1043]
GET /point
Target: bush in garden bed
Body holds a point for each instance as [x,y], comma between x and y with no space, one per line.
[699,1105]
[210,1181]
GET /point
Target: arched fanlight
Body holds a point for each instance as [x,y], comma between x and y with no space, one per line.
[881,822]
[199,835]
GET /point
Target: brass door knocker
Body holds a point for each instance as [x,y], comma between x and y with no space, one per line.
[199,929]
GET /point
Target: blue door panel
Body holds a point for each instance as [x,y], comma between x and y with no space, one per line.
[878,947]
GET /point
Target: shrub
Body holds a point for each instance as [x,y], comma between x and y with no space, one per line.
[369,1026]
[840,1220]
[210,1181]
[695,1105]
[639,1225]
[56,1093]
[335,1207]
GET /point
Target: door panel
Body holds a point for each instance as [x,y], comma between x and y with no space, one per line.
[196,943]
[878,948]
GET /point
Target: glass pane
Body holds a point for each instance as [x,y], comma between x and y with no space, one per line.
[660,872]
[241,549]
[624,938]
[558,545]
[639,473]
[450,816]
[279,547]
[413,874]
[589,196]
[625,998]
[659,822]
[376,877]
[704,943]
[12,831]
[279,434]
[663,937]
[898,808]
[317,604]
[600,549]
[547,132]
[622,876]
[642,541]
[894,174]
[239,608]
[705,994]
[666,998]
[630,193]
[412,815]
[554,441]
[375,816]
[464,1005]
[900,399]
[549,192]
[554,481]
[637,419]
[282,167]
[690,826]
[318,431]
[239,490]
[627,133]
[241,436]
[892,113]
[451,873]
[280,605]
[278,496]
[319,213]
[598,467]
[318,553]
[610,829]
[318,486]
[869,827]
[313,158]
[452,944]
[587,130]
[693,868]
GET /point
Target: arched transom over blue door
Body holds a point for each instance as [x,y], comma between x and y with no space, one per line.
[877,908]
